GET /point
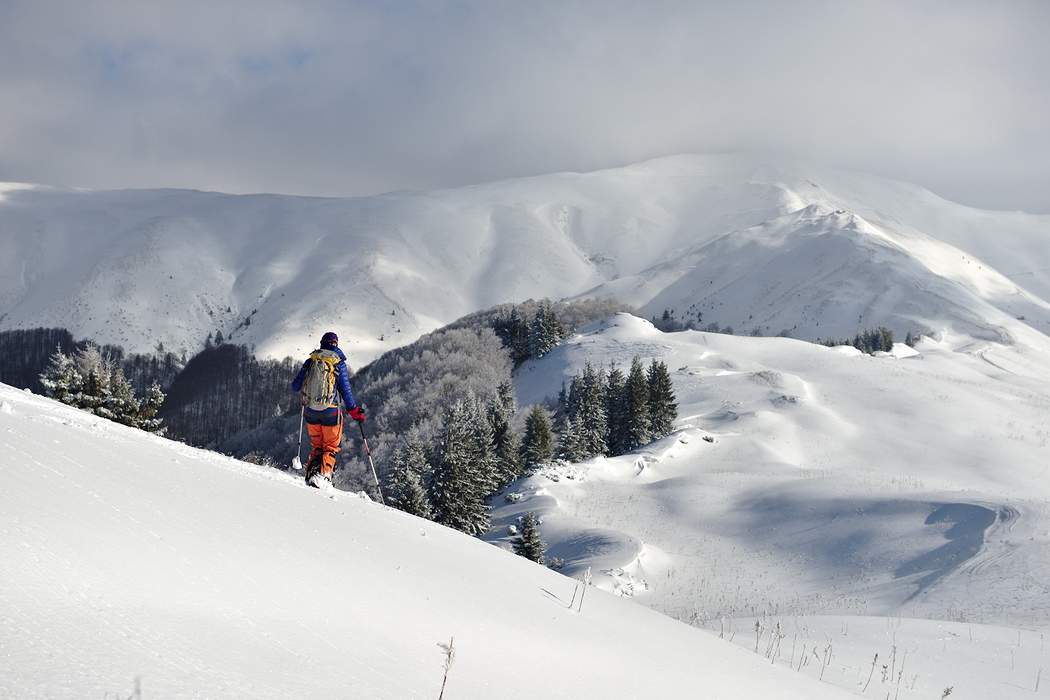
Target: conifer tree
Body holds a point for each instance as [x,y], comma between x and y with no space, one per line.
[91,382]
[61,378]
[411,471]
[538,443]
[121,405]
[506,442]
[482,447]
[591,412]
[147,418]
[663,409]
[546,331]
[462,477]
[616,409]
[93,367]
[637,400]
[514,331]
[528,543]
[571,445]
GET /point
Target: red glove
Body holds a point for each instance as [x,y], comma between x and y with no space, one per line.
[357,414]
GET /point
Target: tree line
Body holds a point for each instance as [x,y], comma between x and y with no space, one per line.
[95,382]
[218,399]
[612,413]
[868,341]
[25,353]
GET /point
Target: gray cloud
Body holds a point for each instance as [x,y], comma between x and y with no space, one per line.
[346,98]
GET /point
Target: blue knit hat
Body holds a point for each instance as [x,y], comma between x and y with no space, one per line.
[329,338]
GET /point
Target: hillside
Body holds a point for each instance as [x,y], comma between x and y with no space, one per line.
[832,467]
[845,506]
[135,566]
[759,245]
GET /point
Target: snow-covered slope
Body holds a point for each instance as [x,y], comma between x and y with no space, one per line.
[828,464]
[806,480]
[138,567]
[816,506]
[748,242]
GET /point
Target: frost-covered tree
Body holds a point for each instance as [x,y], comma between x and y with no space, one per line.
[148,409]
[546,331]
[121,405]
[528,543]
[587,394]
[506,442]
[61,378]
[463,474]
[571,445]
[411,472]
[92,382]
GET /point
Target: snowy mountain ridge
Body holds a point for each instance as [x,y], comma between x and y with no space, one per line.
[743,241]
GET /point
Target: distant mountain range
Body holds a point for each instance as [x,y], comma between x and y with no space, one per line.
[759,246]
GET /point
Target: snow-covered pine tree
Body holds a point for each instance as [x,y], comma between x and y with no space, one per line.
[538,443]
[95,370]
[528,543]
[92,382]
[61,378]
[482,445]
[637,399]
[585,423]
[121,405]
[462,476]
[663,408]
[571,444]
[147,418]
[592,414]
[506,442]
[410,474]
[546,331]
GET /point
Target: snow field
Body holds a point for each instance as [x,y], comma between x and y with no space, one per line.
[134,562]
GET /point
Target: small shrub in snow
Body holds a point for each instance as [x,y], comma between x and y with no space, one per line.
[528,544]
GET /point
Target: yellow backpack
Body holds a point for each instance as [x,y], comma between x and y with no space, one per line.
[319,387]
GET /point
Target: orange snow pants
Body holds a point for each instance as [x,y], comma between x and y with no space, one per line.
[325,440]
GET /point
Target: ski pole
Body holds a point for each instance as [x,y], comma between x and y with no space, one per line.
[297,463]
[372,464]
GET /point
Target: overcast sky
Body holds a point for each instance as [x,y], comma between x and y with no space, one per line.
[352,98]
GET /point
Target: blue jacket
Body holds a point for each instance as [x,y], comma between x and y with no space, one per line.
[342,383]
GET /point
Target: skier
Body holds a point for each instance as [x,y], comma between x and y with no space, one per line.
[323,379]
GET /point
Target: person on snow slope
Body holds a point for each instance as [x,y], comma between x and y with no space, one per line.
[322,413]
